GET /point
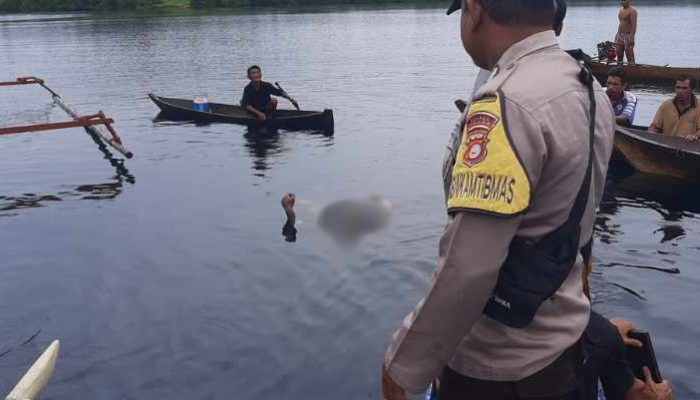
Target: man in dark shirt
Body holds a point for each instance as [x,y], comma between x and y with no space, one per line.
[256,95]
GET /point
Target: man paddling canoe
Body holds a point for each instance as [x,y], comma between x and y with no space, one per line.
[257,94]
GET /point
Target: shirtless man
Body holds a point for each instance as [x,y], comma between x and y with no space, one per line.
[624,40]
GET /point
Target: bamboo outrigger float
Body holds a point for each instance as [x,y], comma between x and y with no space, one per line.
[91,123]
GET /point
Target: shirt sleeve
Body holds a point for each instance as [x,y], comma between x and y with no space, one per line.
[471,253]
[472,250]
[630,108]
[273,90]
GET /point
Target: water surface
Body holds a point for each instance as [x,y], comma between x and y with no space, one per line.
[172,279]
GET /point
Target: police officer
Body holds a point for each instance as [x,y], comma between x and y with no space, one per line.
[506,309]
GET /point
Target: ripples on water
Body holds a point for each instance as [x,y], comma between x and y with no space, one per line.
[166,276]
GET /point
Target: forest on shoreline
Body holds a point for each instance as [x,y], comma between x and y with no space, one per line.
[107,5]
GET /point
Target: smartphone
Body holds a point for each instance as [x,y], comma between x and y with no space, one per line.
[644,356]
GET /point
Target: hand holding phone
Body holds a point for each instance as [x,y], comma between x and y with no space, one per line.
[640,357]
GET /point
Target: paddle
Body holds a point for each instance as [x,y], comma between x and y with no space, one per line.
[287,96]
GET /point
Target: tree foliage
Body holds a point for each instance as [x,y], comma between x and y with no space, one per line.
[74,5]
[88,5]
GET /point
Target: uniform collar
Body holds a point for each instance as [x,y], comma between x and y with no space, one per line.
[525,47]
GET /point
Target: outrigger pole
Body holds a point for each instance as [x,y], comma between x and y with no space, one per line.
[90,122]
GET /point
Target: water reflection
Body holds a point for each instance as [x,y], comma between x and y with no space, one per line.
[673,200]
[26,200]
[262,143]
[100,191]
[123,173]
[265,143]
[671,232]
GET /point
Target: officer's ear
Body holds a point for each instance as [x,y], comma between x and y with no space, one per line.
[474,11]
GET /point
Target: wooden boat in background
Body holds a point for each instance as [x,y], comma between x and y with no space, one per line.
[643,73]
[654,153]
[183,109]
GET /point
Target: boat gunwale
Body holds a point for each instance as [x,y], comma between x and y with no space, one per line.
[667,68]
[164,100]
[643,136]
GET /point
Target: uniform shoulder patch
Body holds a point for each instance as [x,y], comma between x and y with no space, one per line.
[488,175]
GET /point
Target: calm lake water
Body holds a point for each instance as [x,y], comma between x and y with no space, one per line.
[170,279]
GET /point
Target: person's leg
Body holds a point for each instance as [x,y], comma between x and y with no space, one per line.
[619,47]
[272,105]
[629,52]
[620,50]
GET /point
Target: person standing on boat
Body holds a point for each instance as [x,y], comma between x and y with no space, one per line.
[624,40]
[499,321]
[624,103]
[679,116]
[257,95]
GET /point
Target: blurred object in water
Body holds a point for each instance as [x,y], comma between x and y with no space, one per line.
[348,220]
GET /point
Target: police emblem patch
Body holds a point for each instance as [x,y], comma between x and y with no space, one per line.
[478,127]
[487,174]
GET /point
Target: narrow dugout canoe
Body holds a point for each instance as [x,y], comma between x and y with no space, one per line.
[643,73]
[183,109]
[657,154]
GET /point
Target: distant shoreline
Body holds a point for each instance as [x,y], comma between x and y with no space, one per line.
[38,6]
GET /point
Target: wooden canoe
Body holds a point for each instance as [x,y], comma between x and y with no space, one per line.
[643,73]
[658,154]
[183,109]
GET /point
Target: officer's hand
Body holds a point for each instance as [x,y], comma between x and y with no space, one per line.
[661,391]
[390,389]
[625,327]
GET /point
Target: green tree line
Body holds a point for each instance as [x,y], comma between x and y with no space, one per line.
[75,5]
[90,5]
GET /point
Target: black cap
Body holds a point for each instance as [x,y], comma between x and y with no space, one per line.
[456,5]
